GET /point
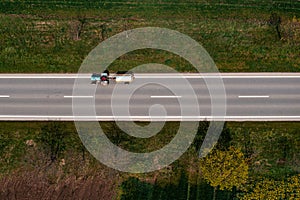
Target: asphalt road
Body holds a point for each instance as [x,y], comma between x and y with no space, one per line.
[246,97]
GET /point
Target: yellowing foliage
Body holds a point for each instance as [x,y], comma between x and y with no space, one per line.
[294,20]
[225,169]
[269,189]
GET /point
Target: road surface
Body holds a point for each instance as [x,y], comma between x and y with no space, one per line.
[248,97]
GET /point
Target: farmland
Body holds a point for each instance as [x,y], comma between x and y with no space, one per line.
[49,36]
[44,36]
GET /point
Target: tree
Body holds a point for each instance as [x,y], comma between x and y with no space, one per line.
[224,169]
[52,138]
[271,189]
[133,188]
[275,21]
[79,25]
[247,143]
[224,139]
[201,132]
[223,142]
[104,31]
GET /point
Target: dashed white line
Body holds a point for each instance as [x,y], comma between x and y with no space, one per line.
[146,118]
[4,96]
[78,96]
[166,97]
[253,97]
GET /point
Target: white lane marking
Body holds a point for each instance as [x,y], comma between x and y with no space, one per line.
[165,97]
[43,77]
[57,117]
[213,77]
[78,96]
[4,96]
[253,97]
[142,76]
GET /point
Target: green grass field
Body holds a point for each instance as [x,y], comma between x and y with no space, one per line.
[41,36]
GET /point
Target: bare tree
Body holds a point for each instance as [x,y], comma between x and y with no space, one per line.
[52,138]
[275,21]
[104,30]
[79,26]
